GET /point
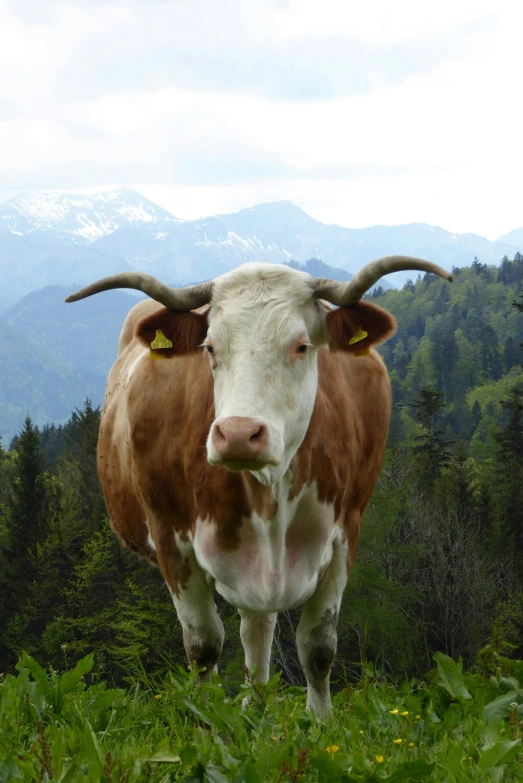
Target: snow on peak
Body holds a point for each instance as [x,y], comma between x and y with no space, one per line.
[83,218]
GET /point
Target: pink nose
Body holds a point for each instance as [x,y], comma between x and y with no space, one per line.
[240,438]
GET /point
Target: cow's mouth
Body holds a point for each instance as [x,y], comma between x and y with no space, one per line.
[237,465]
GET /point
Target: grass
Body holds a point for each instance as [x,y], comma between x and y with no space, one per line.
[453,727]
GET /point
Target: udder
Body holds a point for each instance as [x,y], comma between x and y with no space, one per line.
[275,567]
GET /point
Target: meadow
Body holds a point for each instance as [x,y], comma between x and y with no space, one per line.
[451,727]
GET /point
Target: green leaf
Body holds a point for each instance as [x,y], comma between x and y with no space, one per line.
[164,756]
[410,770]
[248,773]
[9,769]
[499,707]
[514,666]
[213,775]
[453,761]
[500,753]
[326,767]
[34,668]
[69,679]
[450,677]
[196,711]
[94,754]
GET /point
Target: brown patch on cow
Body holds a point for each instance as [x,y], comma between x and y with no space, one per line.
[226,499]
[343,448]
[186,331]
[343,325]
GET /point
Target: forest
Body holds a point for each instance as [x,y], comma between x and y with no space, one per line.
[440,561]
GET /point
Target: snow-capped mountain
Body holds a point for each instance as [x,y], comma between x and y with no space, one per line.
[83,219]
[49,239]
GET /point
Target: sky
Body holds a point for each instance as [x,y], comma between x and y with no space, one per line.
[360,113]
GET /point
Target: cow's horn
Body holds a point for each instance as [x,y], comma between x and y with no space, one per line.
[182,299]
[349,293]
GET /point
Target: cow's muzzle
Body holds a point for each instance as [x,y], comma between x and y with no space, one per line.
[240,443]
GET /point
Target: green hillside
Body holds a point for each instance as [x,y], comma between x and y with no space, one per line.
[459,337]
[84,334]
[33,380]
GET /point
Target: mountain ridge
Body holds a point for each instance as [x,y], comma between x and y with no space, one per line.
[48,239]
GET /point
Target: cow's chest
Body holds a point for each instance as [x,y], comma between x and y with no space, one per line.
[276,563]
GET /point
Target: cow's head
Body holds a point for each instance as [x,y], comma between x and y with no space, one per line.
[261,330]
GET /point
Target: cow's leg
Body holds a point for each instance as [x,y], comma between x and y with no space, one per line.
[316,633]
[256,632]
[193,598]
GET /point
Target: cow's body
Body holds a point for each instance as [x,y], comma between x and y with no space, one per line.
[265,545]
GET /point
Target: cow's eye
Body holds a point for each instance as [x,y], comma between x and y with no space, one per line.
[301,349]
[210,348]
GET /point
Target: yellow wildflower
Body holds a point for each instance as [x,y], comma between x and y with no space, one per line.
[361,731]
[405,713]
[411,744]
[158,696]
[397,741]
[332,748]
[273,739]
[418,717]
[393,712]
[379,759]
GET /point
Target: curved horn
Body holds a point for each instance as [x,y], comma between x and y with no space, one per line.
[182,299]
[343,294]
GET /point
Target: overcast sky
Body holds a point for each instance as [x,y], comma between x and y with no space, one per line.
[360,113]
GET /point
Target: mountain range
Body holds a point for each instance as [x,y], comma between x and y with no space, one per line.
[57,238]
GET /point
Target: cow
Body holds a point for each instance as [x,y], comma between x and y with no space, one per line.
[241,437]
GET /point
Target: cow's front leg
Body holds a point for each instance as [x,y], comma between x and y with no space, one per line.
[316,633]
[193,597]
[256,632]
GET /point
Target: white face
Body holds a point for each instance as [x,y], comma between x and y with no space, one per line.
[264,332]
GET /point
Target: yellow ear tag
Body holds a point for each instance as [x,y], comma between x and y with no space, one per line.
[159,344]
[160,341]
[359,335]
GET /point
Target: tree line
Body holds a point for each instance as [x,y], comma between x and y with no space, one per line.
[440,561]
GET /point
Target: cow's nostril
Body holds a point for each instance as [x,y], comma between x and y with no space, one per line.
[218,435]
[256,435]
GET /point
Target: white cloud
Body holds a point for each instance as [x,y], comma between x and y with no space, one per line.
[440,145]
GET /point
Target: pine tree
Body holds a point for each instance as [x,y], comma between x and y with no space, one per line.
[511,353]
[510,455]
[432,446]
[25,524]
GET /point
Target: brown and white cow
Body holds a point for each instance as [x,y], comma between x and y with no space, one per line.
[240,450]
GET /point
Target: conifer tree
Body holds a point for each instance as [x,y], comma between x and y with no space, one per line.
[25,523]
[510,454]
[432,446]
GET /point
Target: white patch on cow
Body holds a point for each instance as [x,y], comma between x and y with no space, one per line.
[135,363]
[260,314]
[256,633]
[278,563]
[150,539]
[195,607]
[316,632]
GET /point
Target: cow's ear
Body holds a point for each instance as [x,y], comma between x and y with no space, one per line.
[171,333]
[358,327]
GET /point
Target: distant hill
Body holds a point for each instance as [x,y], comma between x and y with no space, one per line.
[36,382]
[50,239]
[85,335]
